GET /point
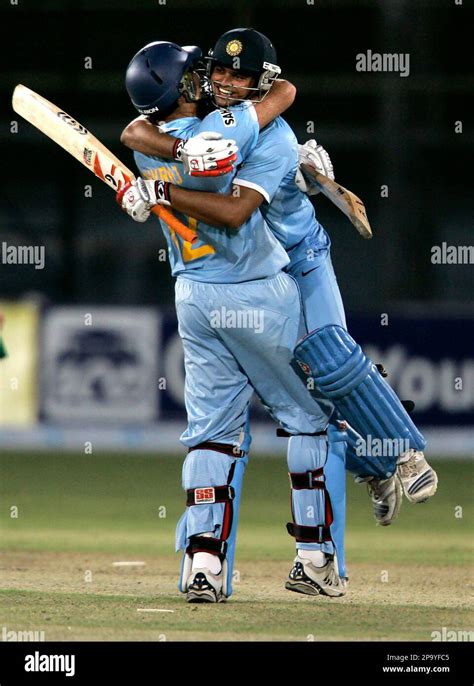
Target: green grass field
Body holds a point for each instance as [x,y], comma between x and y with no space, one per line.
[65,519]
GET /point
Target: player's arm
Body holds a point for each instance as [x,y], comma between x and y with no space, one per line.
[216,209]
[279,98]
[256,181]
[143,136]
[206,154]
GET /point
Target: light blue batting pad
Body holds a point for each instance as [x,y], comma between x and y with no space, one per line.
[306,456]
[358,463]
[203,468]
[306,453]
[347,377]
[335,473]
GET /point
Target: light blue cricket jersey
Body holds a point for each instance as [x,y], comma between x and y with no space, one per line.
[270,168]
[220,255]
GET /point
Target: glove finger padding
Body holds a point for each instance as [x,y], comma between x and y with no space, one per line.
[223,154]
[208,151]
[211,165]
[200,145]
[213,172]
[316,156]
[209,135]
[138,197]
[301,181]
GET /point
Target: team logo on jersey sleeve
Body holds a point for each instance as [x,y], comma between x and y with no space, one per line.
[234,47]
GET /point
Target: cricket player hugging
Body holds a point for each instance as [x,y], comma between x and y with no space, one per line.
[249,224]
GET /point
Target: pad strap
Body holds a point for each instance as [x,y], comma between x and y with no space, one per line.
[209,544]
[209,494]
[226,448]
[307,480]
[206,544]
[281,433]
[309,534]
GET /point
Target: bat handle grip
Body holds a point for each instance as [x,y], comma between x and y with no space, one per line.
[174,224]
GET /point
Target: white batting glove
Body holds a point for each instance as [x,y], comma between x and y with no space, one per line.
[315,156]
[207,154]
[138,197]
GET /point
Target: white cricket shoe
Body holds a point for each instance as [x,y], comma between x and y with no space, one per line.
[418,479]
[204,587]
[305,577]
[386,496]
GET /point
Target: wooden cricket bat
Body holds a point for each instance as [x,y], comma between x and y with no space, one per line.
[345,200]
[86,148]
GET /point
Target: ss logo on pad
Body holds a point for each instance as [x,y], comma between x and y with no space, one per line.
[204,495]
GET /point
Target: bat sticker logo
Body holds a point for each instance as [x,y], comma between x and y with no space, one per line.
[88,156]
[73,123]
[110,178]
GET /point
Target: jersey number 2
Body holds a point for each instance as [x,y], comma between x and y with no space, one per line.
[189,251]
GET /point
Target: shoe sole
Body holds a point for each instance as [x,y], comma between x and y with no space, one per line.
[203,597]
[301,587]
[308,589]
[200,597]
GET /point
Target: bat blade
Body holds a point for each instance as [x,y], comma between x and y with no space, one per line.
[71,135]
[345,200]
[68,133]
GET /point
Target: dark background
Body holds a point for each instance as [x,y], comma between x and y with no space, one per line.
[379,128]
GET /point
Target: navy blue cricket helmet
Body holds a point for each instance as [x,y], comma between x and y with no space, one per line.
[156,77]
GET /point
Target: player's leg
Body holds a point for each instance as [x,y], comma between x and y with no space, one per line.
[321,297]
[217,396]
[207,530]
[322,305]
[274,338]
[265,357]
[344,374]
[319,563]
[335,473]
